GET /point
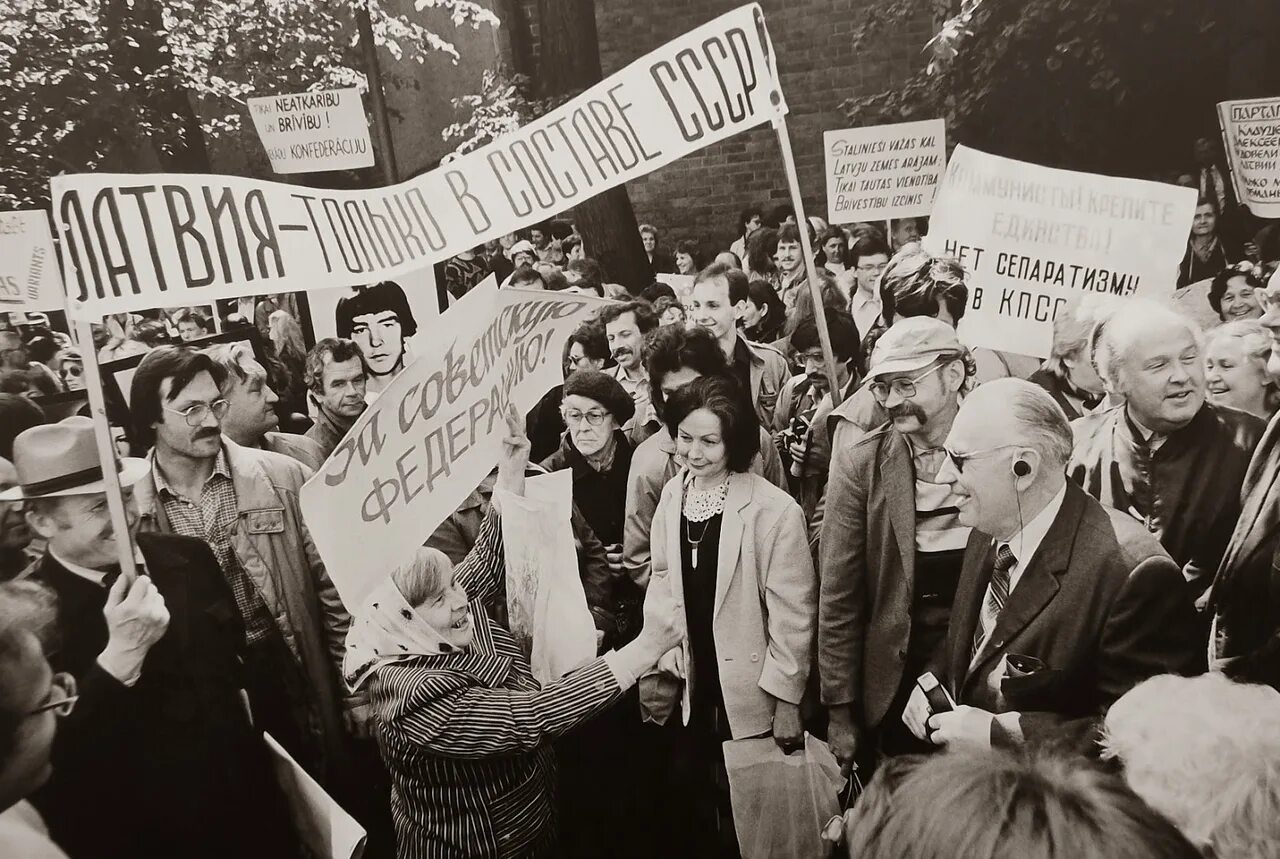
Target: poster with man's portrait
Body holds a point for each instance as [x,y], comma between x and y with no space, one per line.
[388,321]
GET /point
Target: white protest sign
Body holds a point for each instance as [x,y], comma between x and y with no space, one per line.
[28,270]
[1251,130]
[436,431]
[135,241]
[884,171]
[325,827]
[546,605]
[1033,237]
[313,131]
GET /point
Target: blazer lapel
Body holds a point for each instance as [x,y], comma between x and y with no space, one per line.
[731,529]
[899,493]
[165,568]
[1259,518]
[1038,582]
[979,558]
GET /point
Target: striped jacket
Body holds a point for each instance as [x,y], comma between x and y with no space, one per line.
[465,735]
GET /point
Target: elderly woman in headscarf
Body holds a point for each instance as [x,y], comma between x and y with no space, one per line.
[465,729]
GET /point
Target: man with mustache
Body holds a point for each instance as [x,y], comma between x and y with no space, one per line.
[625,326]
[892,544]
[1167,457]
[243,502]
[335,377]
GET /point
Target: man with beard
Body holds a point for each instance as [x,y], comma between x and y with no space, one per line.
[379,320]
[244,503]
[335,378]
[625,326]
[1165,456]
[892,542]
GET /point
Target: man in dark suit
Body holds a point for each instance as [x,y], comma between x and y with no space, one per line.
[159,757]
[1063,605]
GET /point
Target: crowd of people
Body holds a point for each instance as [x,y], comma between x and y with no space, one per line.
[1029,604]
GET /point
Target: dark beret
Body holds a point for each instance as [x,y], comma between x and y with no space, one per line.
[604,389]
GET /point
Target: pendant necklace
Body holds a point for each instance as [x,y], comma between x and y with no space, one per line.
[702,505]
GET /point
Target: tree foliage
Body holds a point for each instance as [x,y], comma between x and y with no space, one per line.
[1109,86]
[139,84]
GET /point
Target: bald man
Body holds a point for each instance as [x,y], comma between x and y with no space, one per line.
[1063,605]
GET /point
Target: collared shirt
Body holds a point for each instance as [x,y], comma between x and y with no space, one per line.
[638,389]
[1153,439]
[1025,543]
[938,528]
[95,576]
[866,311]
[211,518]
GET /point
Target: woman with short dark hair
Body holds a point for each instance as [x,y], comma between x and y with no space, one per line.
[1233,293]
[731,548]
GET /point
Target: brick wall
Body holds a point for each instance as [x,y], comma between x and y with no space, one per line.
[699,196]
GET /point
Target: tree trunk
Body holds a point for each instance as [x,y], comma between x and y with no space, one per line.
[144,64]
[569,62]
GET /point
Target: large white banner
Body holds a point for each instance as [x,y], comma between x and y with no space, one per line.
[313,131]
[436,431]
[28,269]
[884,171]
[1251,131]
[1033,237]
[135,241]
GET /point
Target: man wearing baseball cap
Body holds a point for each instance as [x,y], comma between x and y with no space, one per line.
[159,757]
[892,544]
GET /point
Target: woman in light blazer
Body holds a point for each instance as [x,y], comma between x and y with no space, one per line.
[731,548]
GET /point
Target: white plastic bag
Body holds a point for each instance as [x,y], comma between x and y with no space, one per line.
[547,606]
[781,802]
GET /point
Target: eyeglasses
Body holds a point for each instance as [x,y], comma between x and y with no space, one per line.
[959,459]
[62,696]
[195,414]
[573,417]
[872,268]
[904,388]
[811,355]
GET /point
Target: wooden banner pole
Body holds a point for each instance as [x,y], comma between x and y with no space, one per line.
[106,449]
[811,266]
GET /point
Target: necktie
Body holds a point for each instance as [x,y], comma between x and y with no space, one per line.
[997,593]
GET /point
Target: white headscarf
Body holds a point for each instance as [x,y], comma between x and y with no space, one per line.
[387,630]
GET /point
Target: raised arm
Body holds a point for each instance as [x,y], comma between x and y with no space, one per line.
[481,571]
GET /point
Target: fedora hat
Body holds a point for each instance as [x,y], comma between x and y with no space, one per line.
[62,459]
